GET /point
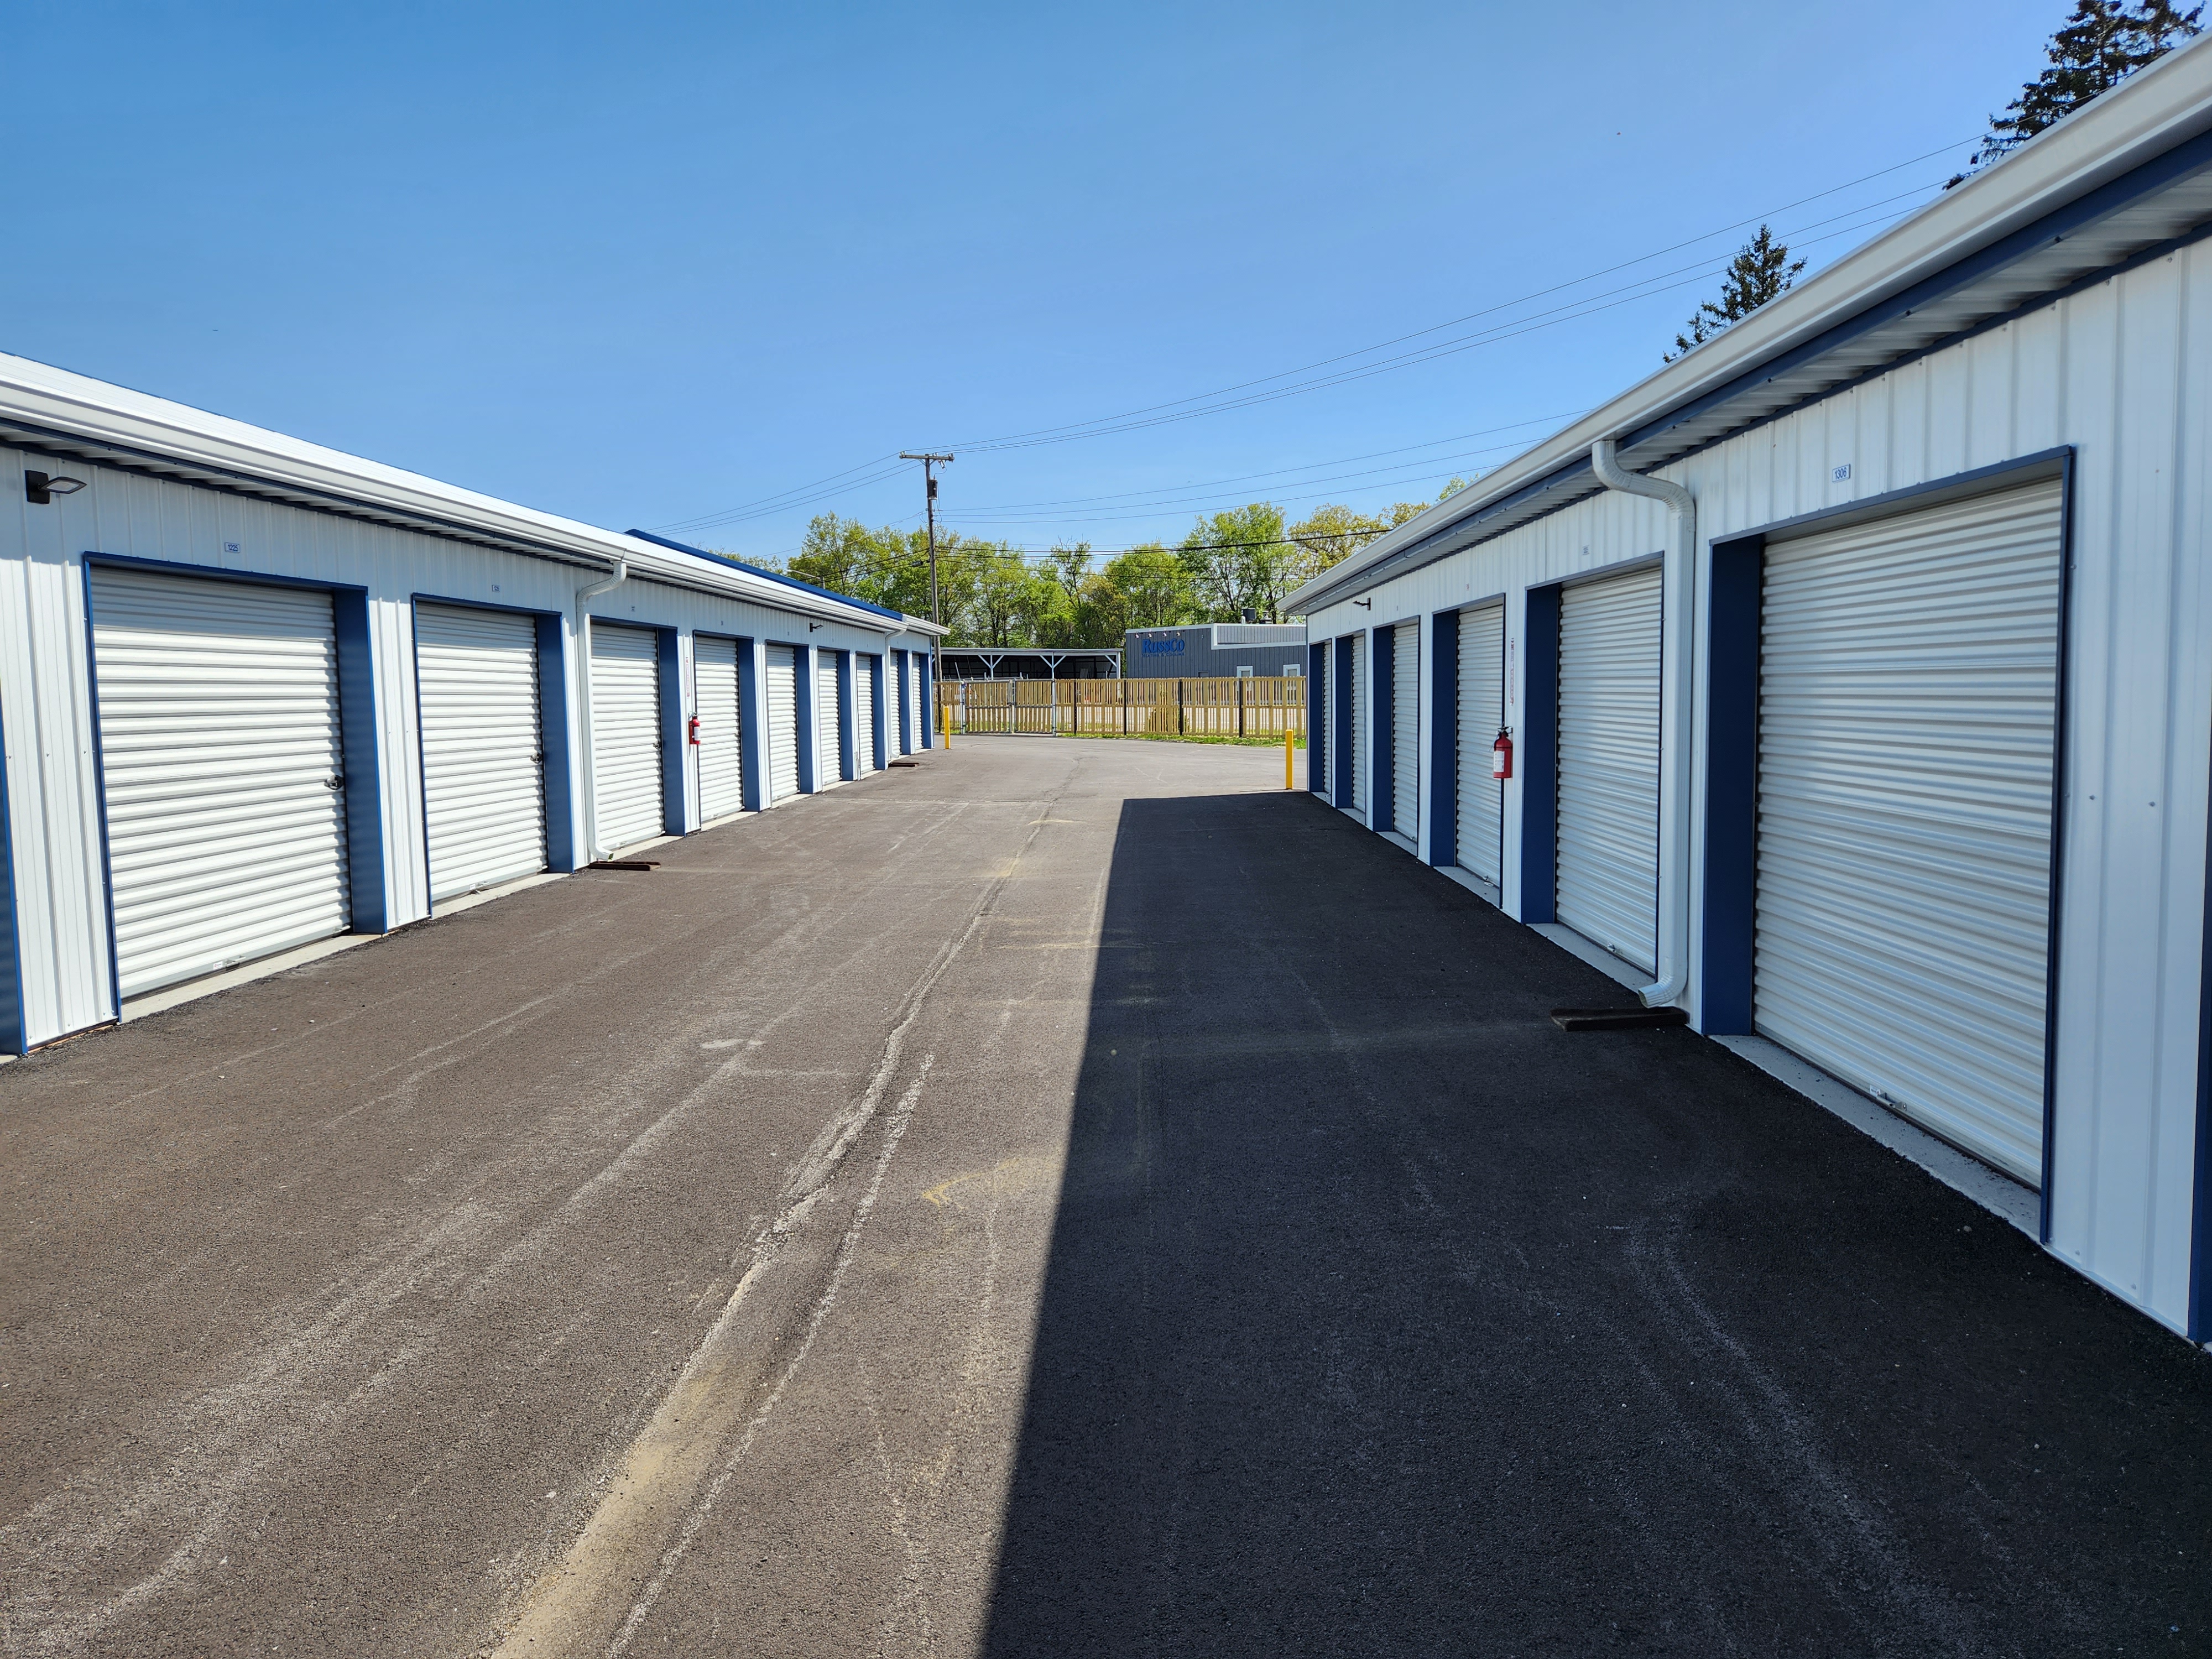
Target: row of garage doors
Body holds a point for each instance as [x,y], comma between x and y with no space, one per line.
[1901,769]
[223,755]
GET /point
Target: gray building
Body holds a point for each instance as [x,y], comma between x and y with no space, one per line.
[1208,650]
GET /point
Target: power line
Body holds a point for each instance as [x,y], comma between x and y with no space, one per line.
[779,498]
[1573,311]
[1080,428]
[1248,477]
[1181,408]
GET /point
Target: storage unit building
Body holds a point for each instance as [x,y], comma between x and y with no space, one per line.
[1883,746]
[256,693]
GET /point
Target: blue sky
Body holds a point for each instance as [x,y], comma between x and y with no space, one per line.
[652,264]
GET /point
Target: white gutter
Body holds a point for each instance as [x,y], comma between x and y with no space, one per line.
[587,773]
[1678,595]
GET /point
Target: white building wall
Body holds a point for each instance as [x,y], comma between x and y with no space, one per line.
[2123,371]
[45,708]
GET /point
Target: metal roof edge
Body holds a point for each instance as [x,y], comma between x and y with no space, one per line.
[2156,111]
[719,563]
[154,434]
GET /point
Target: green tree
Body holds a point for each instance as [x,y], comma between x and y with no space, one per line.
[1102,613]
[1003,602]
[1237,559]
[1154,585]
[842,554]
[2103,43]
[1761,270]
[1331,534]
[755,561]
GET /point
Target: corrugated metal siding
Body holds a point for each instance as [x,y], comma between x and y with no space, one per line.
[1481,712]
[484,776]
[1406,730]
[1608,748]
[1908,679]
[721,758]
[2124,372]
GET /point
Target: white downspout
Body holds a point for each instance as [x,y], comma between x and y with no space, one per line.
[584,596]
[1677,600]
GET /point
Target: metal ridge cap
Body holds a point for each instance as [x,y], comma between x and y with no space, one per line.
[2157,110]
[717,562]
[736,583]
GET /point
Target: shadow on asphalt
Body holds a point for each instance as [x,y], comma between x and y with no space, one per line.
[1383,1317]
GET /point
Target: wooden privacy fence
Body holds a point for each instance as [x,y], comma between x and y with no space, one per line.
[1239,708]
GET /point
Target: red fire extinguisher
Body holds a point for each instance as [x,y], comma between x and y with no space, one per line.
[1501,754]
[694,732]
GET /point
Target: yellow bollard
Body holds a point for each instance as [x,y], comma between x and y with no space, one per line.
[1289,779]
[944,723]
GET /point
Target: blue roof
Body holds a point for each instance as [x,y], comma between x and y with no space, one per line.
[769,575]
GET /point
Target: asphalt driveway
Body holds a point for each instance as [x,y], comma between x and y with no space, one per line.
[1068,1197]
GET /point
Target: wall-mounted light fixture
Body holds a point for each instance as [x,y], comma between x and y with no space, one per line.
[40,490]
[1364,604]
[811,627]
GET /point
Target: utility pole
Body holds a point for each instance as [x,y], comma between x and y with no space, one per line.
[929,463]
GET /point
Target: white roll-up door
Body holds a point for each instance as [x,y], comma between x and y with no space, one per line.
[625,734]
[1406,730]
[483,760]
[1360,651]
[829,715]
[864,714]
[1609,760]
[222,768]
[1481,825]
[721,726]
[783,721]
[1907,714]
